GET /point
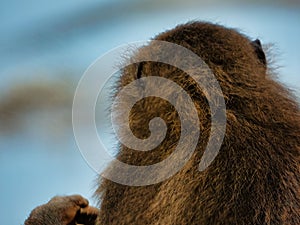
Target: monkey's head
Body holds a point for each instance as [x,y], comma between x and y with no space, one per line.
[237,63]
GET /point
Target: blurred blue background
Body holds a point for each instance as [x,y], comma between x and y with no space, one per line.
[45,47]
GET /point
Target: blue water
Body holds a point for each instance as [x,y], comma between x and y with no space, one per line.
[34,43]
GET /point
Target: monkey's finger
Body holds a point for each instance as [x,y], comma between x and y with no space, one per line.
[87,215]
[79,200]
[89,210]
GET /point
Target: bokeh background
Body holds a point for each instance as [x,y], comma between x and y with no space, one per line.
[45,47]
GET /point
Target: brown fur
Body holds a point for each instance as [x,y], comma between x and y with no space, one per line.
[255,179]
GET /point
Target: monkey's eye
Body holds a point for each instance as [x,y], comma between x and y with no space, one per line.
[139,70]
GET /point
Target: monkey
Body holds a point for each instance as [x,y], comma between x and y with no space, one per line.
[255,177]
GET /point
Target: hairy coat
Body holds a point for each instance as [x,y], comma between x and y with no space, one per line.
[255,179]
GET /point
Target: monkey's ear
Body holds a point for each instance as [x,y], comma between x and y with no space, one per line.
[259,51]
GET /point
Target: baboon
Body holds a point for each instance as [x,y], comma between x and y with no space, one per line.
[255,178]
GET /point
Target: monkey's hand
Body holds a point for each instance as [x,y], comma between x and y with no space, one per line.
[67,210]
